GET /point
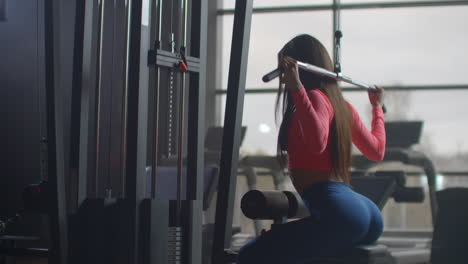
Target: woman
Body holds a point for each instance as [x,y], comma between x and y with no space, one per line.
[316,132]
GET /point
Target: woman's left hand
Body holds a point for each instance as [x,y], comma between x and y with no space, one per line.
[290,74]
[376,96]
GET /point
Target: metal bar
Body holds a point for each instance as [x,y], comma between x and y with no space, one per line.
[410,173]
[56,133]
[324,7]
[320,71]
[76,105]
[132,98]
[337,35]
[116,175]
[125,95]
[103,176]
[196,47]
[77,83]
[25,252]
[232,129]
[180,140]
[156,22]
[354,89]
[134,179]
[314,69]
[156,223]
[87,159]
[87,168]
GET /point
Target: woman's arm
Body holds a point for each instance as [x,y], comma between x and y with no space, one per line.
[313,109]
[314,113]
[370,143]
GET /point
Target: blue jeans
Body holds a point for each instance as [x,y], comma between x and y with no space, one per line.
[339,220]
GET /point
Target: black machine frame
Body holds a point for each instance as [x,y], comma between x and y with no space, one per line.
[56,135]
[105,79]
[232,129]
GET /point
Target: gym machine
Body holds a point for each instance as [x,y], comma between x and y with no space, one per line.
[143,79]
[49,196]
[135,63]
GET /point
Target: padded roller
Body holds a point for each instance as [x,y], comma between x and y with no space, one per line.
[271,205]
[265,204]
[297,208]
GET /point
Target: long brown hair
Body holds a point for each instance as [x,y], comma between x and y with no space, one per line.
[308,49]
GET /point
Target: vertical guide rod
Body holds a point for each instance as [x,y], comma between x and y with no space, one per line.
[157,80]
[180,143]
[196,13]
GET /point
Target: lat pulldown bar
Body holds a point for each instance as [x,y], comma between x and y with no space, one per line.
[320,71]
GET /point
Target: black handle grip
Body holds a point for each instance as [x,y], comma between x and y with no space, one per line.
[271,75]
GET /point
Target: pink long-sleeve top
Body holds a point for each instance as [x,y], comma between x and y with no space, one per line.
[309,138]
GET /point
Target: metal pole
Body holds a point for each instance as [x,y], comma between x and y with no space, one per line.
[134,179]
[338,77]
[180,143]
[320,71]
[56,133]
[337,35]
[446,87]
[196,12]
[232,129]
[157,81]
[351,6]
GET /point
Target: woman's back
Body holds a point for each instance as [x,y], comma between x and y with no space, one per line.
[309,138]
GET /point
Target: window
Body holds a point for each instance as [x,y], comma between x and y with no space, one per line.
[406,46]
[267,37]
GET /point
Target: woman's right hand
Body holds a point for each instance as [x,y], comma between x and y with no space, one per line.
[290,74]
[376,96]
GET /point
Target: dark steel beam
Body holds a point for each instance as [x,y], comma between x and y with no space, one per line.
[196,47]
[88,121]
[232,129]
[56,130]
[75,115]
[134,179]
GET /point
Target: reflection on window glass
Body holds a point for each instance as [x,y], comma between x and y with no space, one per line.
[406,45]
[264,3]
[267,37]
